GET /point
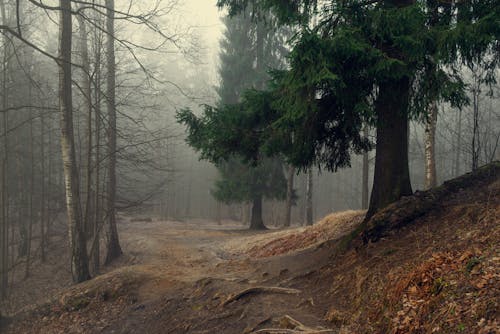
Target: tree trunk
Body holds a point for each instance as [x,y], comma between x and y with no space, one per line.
[95,247]
[391,178]
[256,221]
[113,244]
[459,143]
[309,200]
[476,147]
[289,196]
[32,189]
[43,212]
[79,260]
[48,215]
[86,90]
[430,147]
[365,176]
[4,193]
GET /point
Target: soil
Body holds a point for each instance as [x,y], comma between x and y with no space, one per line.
[438,273]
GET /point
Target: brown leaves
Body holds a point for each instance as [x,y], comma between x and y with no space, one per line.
[436,292]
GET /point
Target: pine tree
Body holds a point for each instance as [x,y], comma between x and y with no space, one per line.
[248,48]
[375,62]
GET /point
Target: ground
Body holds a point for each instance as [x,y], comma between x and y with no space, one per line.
[439,272]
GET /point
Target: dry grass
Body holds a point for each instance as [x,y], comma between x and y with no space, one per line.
[333,226]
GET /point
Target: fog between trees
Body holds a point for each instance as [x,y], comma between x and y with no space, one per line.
[166,57]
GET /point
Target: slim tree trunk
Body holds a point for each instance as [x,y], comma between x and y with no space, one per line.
[476,147]
[459,143]
[256,221]
[32,189]
[95,250]
[366,171]
[430,147]
[86,89]
[113,244]
[289,196]
[391,178]
[79,260]
[309,200]
[43,212]
[48,215]
[4,193]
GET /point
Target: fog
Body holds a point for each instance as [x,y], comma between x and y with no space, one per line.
[167,58]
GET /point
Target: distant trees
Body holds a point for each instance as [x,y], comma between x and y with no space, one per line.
[32,200]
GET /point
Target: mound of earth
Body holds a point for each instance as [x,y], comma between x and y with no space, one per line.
[426,264]
[279,242]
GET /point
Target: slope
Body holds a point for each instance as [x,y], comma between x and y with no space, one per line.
[426,264]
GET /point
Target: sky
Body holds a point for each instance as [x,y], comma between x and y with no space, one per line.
[205,15]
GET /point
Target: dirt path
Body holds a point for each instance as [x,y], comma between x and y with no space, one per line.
[177,277]
[179,252]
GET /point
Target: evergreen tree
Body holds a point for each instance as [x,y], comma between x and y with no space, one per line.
[379,62]
[247,50]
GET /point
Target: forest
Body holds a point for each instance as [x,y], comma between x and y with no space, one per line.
[236,166]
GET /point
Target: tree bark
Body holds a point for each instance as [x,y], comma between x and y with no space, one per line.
[43,195]
[86,90]
[113,244]
[95,247]
[430,147]
[476,146]
[391,178]
[4,193]
[289,196]
[256,221]
[309,201]
[365,176]
[32,189]
[79,260]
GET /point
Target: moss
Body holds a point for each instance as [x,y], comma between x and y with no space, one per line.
[438,286]
[474,261]
[389,251]
[77,303]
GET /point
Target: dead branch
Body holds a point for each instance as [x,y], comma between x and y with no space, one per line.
[260,289]
[290,325]
[292,331]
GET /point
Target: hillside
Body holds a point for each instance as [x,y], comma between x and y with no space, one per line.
[426,264]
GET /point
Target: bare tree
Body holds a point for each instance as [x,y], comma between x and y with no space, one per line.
[4,230]
[113,244]
[79,260]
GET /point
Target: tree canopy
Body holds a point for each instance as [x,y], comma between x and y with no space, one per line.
[375,62]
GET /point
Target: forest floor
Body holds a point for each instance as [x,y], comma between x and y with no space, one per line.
[439,273]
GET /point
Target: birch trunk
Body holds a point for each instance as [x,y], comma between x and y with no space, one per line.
[79,260]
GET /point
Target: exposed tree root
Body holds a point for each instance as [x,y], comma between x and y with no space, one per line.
[409,208]
[290,325]
[292,331]
[260,289]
